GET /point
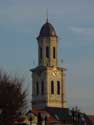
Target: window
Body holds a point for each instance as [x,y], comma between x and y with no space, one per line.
[58,87]
[54,56]
[42,87]
[37,88]
[52,87]
[40,53]
[47,52]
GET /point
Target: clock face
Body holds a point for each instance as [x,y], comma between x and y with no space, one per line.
[54,72]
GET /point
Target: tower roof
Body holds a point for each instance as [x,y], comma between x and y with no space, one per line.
[47,30]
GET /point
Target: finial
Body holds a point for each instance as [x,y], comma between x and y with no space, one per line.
[47,15]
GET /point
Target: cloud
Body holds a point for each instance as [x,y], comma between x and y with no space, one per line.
[82,34]
[82,30]
[77,29]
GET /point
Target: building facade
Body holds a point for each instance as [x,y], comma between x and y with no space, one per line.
[48,77]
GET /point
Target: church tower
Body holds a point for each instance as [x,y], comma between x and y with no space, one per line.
[47,77]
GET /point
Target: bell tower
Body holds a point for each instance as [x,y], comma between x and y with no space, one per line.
[48,77]
[47,46]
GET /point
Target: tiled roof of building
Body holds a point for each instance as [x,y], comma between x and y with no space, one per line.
[55,115]
[61,114]
[51,119]
[91,117]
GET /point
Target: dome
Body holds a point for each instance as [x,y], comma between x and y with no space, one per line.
[47,30]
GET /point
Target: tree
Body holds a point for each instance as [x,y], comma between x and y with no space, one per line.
[12,98]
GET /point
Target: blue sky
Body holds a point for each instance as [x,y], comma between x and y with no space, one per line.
[20,23]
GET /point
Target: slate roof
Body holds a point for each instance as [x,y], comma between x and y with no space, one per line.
[61,114]
[47,30]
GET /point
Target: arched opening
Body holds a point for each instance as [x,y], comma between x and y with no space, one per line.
[54,52]
[52,87]
[37,88]
[47,52]
[40,53]
[42,87]
[58,87]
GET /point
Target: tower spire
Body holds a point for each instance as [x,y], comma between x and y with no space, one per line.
[47,15]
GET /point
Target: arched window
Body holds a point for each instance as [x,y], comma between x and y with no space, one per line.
[58,87]
[52,87]
[42,87]
[37,88]
[54,53]
[40,52]
[47,52]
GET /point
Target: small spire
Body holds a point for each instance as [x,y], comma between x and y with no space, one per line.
[47,15]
